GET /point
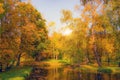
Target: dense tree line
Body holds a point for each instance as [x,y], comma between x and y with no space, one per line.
[22,32]
[95,34]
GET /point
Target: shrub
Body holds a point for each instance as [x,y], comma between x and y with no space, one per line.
[104,70]
[64,62]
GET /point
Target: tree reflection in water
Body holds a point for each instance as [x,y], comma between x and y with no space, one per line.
[68,74]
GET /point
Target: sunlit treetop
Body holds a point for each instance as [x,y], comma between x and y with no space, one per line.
[1,8]
[92,1]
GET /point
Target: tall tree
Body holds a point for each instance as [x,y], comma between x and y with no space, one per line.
[22,26]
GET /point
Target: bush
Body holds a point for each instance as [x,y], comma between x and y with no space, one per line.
[64,62]
[104,70]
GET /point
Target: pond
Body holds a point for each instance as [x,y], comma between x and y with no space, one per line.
[64,73]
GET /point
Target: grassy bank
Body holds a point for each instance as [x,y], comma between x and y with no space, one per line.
[57,62]
[84,68]
[94,69]
[18,73]
[52,63]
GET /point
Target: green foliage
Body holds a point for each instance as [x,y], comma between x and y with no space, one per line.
[16,74]
[40,23]
[104,70]
[64,62]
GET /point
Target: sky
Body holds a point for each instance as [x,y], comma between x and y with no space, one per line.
[51,9]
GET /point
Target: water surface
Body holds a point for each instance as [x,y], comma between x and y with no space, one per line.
[68,74]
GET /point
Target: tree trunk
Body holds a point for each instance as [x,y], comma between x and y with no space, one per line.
[108,60]
[95,49]
[87,52]
[88,57]
[0,67]
[18,59]
[36,57]
[97,56]
[118,58]
[56,57]
[118,64]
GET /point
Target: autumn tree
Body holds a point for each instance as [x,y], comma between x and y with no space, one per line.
[92,33]
[31,22]
[8,40]
[113,13]
[22,27]
[75,44]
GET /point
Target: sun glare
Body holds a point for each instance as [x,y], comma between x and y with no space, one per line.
[67,32]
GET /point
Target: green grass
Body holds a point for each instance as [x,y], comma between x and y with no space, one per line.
[92,68]
[62,62]
[19,73]
[95,69]
[88,68]
[115,69]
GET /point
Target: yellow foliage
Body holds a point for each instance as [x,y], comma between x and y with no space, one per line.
[51,24]
[1,8]
[108,45]
[67,16]
[98,28]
